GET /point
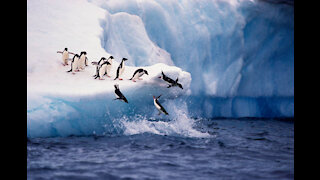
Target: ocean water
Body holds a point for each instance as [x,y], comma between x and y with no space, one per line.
[233,149]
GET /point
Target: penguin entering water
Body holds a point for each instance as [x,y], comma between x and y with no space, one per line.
[138,73]
[74,64]
[120,69]
[170,81]
[119,95]
[159,106]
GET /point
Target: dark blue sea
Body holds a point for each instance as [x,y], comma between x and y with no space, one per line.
[235,149]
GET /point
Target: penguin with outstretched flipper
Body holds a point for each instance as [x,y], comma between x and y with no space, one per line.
[170,81]
[119,95]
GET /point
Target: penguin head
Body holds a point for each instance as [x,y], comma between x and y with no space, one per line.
[146,72]
[154,97]
[116,86]
[180,86]
[111,57]
[124,59]
[103,58]
[66,49]
[83,52]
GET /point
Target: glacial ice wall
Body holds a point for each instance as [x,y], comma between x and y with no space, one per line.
[231,48]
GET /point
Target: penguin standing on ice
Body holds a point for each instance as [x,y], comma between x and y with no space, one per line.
[83,61]
[170,81]
[101,70]
[120,69]
[98,64]
[119,95]
[65,56]
[138,73]
[159,106]
[108,69]
[74,64]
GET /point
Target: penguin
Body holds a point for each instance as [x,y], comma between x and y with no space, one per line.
[74,64]
[108,69]
[83,61]
[120,69]
[170,81]
[138,73]
[65,56]
[101,70]
[119,95]
[159,106]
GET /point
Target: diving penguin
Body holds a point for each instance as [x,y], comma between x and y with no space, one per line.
[74,64]
[138,73]
[170,81]
[159,106]
[119,95]
[120,69]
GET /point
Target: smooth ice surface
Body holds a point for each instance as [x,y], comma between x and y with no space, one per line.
[233,58]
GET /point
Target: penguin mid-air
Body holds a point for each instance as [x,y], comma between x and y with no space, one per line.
[65,56]
[119,95]
[108,69]
[137,74]
[83,61]
[101,70]
[74,64]
[159,106]
[120,69]
[170,81]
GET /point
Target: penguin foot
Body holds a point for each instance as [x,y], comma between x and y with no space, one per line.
[108,76]
[140,78]
[120,79]
[101,79]
[133,80]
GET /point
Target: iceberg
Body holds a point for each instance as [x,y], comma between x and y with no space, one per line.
[233,58]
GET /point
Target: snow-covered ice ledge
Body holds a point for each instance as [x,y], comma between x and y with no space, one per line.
[78,104]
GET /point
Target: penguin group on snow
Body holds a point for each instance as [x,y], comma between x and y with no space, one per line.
[103,68]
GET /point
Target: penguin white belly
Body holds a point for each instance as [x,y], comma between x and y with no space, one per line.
[121,70]
[157,106]
[102,71]
[75,64]
[65,57]
[136,76]
[82,62]
[108,69]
